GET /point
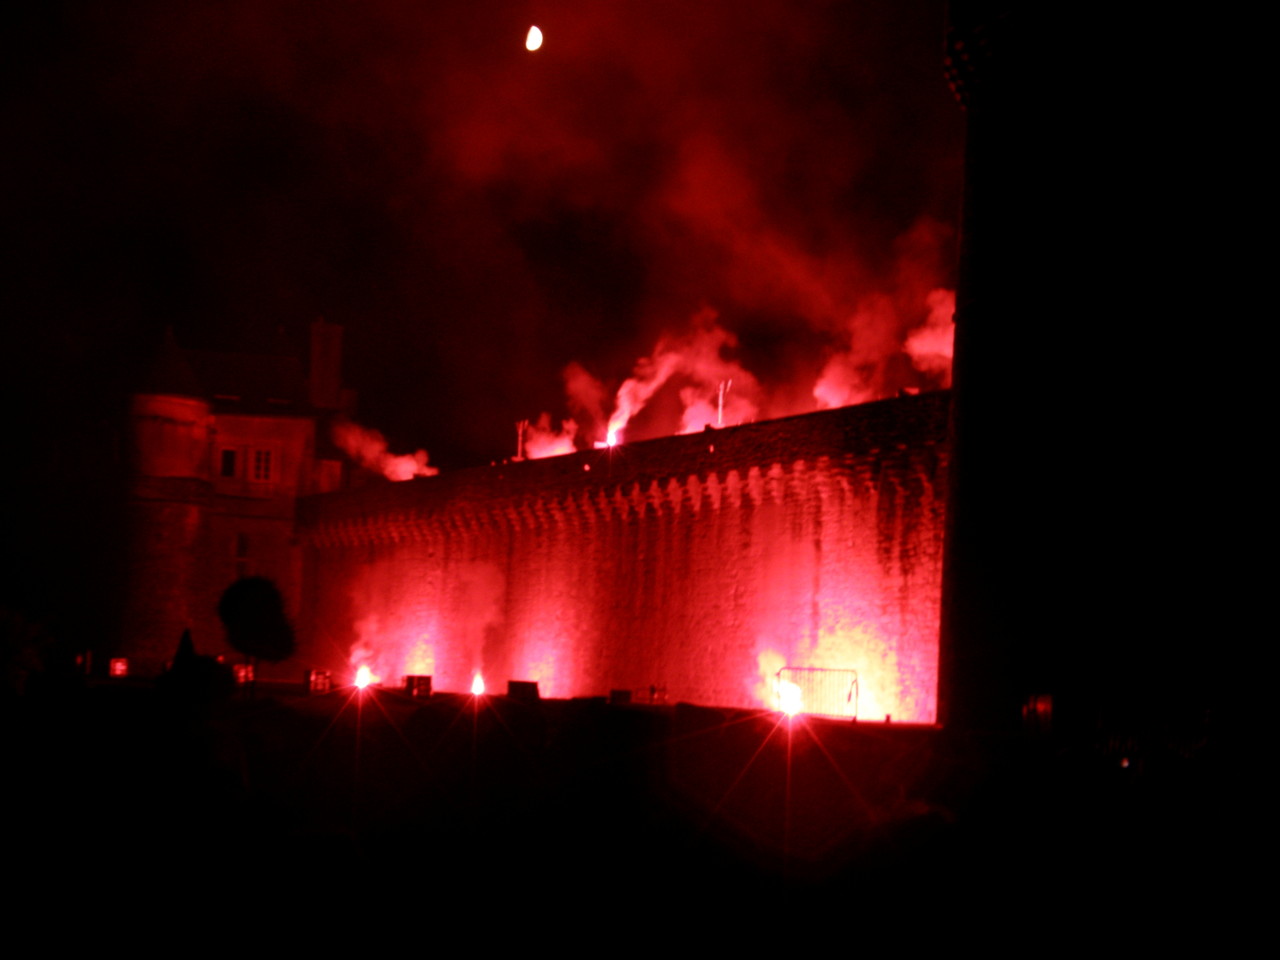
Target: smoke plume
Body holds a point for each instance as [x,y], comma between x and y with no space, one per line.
[586,398]
[898,335]
[698,360]
[930,345]
[369,449]
[543,440]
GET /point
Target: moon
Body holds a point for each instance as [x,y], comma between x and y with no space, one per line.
[534,39]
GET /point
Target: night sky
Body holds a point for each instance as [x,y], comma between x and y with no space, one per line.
[477,216]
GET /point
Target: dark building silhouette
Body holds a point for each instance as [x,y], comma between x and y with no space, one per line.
[1069,570]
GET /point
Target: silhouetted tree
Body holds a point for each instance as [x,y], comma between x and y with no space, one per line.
[252,610]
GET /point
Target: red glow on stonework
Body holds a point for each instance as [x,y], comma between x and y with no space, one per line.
[604,579]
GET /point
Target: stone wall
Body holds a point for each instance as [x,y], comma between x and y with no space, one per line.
[690,568]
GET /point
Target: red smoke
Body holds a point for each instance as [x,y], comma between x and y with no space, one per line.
[586,398]
[715,390]
[369,449]
[496,213]
[930,346]
[898,336]
[697,359]
[769,162]
[543,440]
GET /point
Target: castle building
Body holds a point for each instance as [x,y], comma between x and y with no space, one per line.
[223,447]
[713,568]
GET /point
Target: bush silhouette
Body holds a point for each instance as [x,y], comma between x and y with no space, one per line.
[252,610]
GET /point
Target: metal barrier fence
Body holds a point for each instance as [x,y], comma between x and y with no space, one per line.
[821,691]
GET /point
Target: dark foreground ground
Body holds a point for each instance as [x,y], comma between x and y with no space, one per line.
[326,809]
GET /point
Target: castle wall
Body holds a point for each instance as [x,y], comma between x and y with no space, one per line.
[195,530]
[692,566]
[163,567]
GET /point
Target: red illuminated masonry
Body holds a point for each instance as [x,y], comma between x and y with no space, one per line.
[701,565]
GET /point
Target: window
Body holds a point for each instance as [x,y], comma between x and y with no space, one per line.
[227,468]
[262,466]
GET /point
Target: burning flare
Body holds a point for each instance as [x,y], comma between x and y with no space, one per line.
[364,677]
[477,685]
[533,40]
[790,701]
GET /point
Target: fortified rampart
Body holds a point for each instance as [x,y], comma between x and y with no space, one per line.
[691,567]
